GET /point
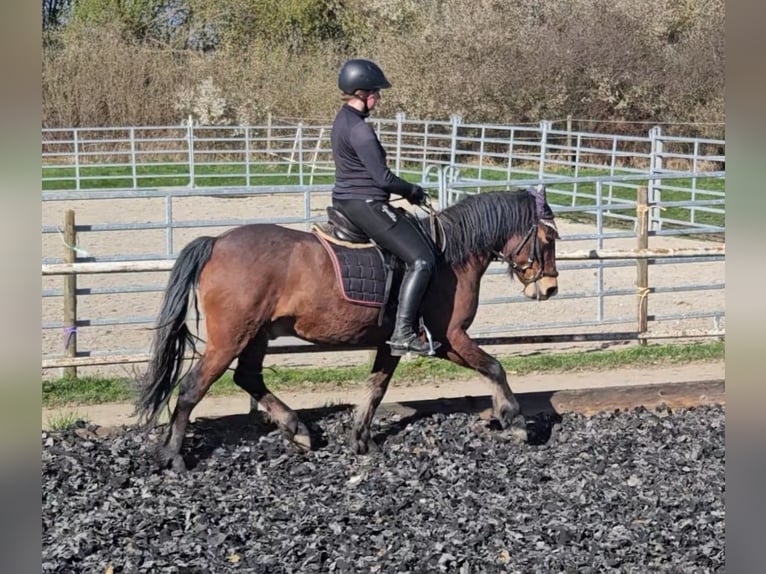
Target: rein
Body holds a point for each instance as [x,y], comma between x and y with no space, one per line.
[435,225]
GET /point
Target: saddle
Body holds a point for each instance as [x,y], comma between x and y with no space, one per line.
[366,274]
[344,229]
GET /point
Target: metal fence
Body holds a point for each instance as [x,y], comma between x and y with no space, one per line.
[139,194]
[251,156]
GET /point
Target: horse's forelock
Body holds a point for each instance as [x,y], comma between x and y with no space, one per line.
[542,208]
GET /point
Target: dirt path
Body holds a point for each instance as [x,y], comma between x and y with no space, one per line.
[121,413]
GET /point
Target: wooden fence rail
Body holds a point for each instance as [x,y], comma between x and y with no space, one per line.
[576,255]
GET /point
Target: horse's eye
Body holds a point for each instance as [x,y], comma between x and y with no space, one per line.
[551,231]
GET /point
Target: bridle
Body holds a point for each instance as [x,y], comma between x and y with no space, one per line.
[535,255]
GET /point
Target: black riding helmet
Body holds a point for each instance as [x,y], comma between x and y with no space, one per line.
[361,74]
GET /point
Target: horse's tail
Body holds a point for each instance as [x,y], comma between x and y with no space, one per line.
[172,334]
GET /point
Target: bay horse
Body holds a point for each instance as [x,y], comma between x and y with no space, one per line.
[259,281]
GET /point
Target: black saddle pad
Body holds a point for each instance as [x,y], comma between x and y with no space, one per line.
[360,272]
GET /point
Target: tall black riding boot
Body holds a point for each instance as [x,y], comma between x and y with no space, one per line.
[404,339]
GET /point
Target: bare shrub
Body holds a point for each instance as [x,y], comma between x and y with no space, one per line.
[627,63]
[98,78]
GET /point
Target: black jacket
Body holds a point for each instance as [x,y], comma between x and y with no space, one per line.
[360,160]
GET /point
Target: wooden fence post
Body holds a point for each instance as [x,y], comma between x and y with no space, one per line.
[642,264]
[70,293]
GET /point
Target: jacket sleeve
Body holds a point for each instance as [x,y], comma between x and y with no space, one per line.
[371,154]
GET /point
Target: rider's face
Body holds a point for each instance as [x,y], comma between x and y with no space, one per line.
[372,99]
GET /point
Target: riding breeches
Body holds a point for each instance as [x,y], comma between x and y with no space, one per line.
[390,230]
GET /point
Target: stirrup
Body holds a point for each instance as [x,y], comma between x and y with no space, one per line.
[413,345]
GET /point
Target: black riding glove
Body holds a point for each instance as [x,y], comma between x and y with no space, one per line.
[417,195]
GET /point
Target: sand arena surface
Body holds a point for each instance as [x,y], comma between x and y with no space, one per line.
[568,307]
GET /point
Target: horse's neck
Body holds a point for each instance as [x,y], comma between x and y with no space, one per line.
[471,272]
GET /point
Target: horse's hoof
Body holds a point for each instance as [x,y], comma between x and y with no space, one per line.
[509,417]
[302,441]
[518,429]
[514,422]
[172,461]
[519,434]
[359,446]
[360,442]
[300,438]
[178,465]
[363,447]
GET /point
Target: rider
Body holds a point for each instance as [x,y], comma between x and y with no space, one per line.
[363,185]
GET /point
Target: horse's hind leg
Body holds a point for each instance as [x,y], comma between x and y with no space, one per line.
[382,370]
[249,376]
[465,352]
[192,388]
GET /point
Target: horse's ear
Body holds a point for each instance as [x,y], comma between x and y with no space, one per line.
[541,205]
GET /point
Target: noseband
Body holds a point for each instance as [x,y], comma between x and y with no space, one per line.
[535,255]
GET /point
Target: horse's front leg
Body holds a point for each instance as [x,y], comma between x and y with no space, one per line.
[382,370]
[465,352]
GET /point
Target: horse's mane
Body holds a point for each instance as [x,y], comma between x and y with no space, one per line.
[482,223]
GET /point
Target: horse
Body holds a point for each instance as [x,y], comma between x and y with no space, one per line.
[256,282]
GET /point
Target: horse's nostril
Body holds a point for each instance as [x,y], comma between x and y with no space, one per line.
[551,291]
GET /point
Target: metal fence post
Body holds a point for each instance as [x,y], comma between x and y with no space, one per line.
[299,141]
[190,144]
[655,166]
[642,264]
[600,244]
[70,293]
[133,167]
[441,182]
[545,126]
[247,156]
[575,187]
[75,141]
[509,171]
[169,225]
[399,129]
[456,121]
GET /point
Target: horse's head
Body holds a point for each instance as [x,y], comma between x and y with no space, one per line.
[532,256]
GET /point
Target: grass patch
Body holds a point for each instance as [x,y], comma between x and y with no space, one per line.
[177,174]
[86,390]
[89,390]
[64,420]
